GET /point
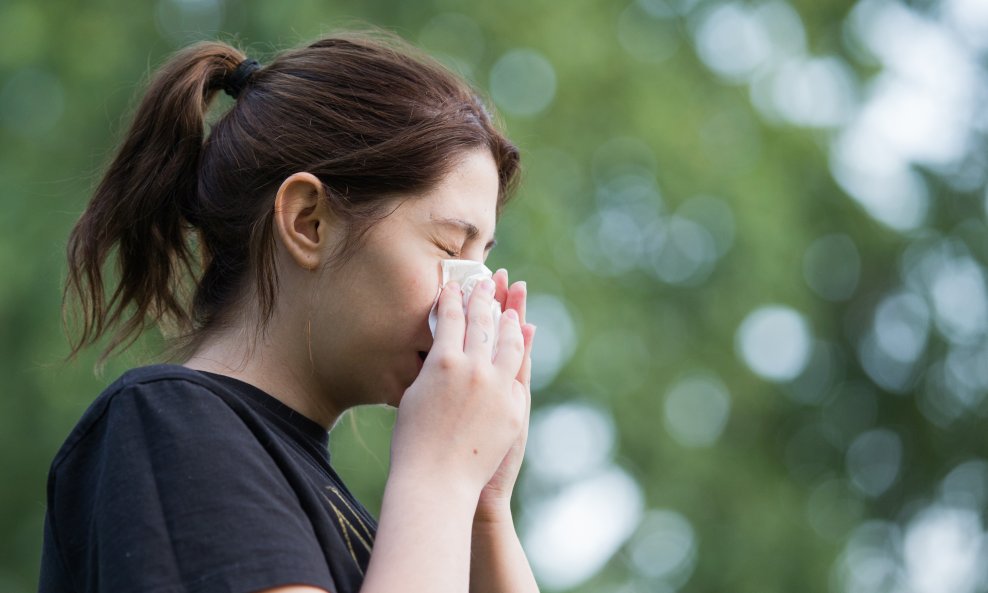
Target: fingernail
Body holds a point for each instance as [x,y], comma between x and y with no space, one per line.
[453,286]
[488,285]
[523,285]
[510,313]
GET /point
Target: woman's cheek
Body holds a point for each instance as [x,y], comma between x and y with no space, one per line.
[418,293]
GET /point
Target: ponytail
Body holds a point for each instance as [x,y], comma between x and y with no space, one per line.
[144,206]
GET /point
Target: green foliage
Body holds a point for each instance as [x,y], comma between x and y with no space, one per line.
[775,494]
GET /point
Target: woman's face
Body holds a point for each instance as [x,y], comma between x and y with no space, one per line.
[374,313]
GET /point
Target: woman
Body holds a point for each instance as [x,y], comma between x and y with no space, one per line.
[294,257]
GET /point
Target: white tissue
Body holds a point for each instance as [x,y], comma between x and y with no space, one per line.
[468,273]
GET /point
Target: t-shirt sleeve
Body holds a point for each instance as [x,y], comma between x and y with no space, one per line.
[172,491]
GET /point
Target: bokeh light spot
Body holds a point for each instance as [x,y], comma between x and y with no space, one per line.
[901,326]
[775,342]
[557,337]
[874,460]
[966,486]
[570,440]
[731,41]
[944,550]
[645,37]
[569,537]
[960,300]
[808,92]
[523,82]
[665,547]
[696,410]
[681,251]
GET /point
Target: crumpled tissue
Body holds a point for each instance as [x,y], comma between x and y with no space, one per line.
[468,273]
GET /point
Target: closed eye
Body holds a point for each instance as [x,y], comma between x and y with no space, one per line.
[448,251]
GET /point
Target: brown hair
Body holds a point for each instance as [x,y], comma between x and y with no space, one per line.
[372,117]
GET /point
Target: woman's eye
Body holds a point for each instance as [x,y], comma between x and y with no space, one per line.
[444,246]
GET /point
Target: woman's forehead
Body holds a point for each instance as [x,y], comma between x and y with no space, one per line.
[465,201]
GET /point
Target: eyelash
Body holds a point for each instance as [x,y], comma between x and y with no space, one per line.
[450,252]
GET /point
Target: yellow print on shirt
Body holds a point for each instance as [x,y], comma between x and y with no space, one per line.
[360,532]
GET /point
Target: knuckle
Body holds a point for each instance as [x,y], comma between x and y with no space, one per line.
[516,417]
[447,361]
[478,377]
[482,318]
[452,312]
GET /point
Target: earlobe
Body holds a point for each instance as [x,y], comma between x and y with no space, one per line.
[301,219]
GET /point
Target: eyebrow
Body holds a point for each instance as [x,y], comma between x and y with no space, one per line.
[471,230]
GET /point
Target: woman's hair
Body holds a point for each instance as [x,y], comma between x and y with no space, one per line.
[190,215]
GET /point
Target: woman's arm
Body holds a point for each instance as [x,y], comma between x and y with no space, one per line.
[454,427]
[422,541]
[423,537]
[498,563]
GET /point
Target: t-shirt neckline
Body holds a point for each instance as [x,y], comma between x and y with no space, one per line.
[308,427]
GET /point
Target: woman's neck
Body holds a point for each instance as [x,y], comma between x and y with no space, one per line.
[261,361]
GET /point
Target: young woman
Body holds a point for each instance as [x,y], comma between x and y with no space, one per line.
[294,254]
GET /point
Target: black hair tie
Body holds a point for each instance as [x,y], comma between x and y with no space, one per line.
[236,81]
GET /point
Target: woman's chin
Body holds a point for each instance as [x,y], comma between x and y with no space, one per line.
[393,390]
[396,393]
[394,400]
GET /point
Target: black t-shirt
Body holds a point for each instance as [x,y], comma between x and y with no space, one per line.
[177,480]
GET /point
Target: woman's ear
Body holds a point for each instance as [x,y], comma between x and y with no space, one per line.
[302,220]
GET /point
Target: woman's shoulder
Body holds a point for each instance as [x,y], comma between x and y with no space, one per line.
[165,459]
[146,396]
[157,373]
[155,383]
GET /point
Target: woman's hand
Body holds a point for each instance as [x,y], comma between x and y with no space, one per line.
[458,420]
[495,499]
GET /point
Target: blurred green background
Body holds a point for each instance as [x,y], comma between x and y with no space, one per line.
[754,238]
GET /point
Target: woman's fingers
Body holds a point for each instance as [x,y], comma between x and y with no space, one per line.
[516,299]
[501,287]
[525,394]
[525,373]
[450,321]
[510,345]
[480,320]
[479,325]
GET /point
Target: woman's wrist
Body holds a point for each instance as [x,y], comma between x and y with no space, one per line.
[497,559]
[446,488]
[493,515]
[417,504]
